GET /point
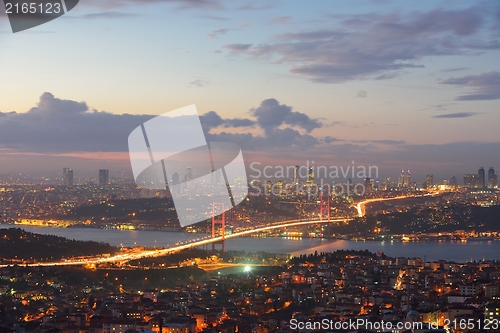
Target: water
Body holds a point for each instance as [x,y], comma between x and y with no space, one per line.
[432,250]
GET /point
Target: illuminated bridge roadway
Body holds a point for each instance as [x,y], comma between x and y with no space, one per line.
[209,240]
[360,207]
[189,244]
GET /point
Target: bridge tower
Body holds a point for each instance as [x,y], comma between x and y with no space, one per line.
[327,206]
[222,222]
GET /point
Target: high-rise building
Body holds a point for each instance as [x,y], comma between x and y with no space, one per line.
[175,178]
[349,185]
[388,184]
[492,178]
[481,174]
[468,180]
[368,186]
[401,179]
[453,181]
[296,175]
[310,176]
[429,181]
[269,187]
[103,176]
[279,187]
[404,180]
[474,180]
[68,177]
[189,175]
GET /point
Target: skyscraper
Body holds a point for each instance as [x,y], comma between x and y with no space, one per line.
[103,176]
[310,177]
[68,177]
[429,181]
[474,180]
[401,179]
[189,175]
[481,178]
[368,186]
[492,178]
[296,175]
[453,181]
[404,180]
[468,180]
[388,184]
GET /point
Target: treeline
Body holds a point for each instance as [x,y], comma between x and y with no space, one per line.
[317,257]
[19,244]
[139,279]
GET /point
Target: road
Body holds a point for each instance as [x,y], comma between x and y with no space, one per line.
[197,243]
[161,252]
[360,207]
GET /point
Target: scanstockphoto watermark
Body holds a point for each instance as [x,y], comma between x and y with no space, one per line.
[360,323]
[312,179]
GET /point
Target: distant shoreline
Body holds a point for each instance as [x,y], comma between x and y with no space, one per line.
[423,238]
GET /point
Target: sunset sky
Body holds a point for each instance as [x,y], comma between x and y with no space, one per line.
[388,83]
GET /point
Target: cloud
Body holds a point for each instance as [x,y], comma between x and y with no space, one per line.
[216,33]
[270,114]
[378,47]
[438,107]
[254,6]
[181,4]
[456,69]
[486,85]
[239,122]
[57,125]
[362,94]
[199,83]
[272,138]
[58,132]
[330,139]
[106,15]
[280,20]
[457,115]
[214,18]
[237,47]
[212,120]
[382,142]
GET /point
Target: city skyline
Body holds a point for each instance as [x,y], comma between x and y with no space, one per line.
[249,166]
[296,176]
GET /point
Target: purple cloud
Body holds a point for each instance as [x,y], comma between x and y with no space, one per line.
[270,115]
[217,33]
[379,48]
[486,86]
[457,115]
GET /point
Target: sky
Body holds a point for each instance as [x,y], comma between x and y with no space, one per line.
[413,85]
